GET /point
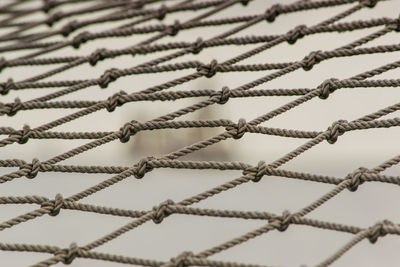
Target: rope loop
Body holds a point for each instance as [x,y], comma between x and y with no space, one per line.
[56,16]
[48,5]
[161,12]
[221,97]
[282,223]
[161,211]
[181,260]
[369,3]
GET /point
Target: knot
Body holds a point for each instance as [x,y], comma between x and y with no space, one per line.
[96,56]
[23,134]
[54,205]
[127,130]
[115,100]
[69,254]
[293,35]
[7,86]
[161,12]
[161,211]
[11,108]
[272,12]
[69,27]
[282,223]
[245,2]
[181,259]
[222,96]
[47,5]
[335,131]
[397,30]
[313,58]
[328,87]
[257,172]
[3,63]
[143,167]
[368,3]
[108,76]
[240,129]
[355,178]
[54,18]
[378,230]
[197,46]
[209,70]
[173,29]
[137,4]
[32,168]
[81,38]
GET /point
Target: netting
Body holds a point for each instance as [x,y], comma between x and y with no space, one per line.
[58,19]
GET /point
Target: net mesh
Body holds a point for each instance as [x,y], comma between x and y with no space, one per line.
[34,45]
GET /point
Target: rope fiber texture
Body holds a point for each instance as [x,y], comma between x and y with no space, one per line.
[146,17]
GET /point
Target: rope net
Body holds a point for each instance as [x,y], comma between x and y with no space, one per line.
[42,39]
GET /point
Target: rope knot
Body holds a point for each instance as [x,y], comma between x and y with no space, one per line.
[257,172]
[11,108]
[3,63]
[81,38]
[181,259]
[173,29]
[356,179]
[313,58]
[31,168]
[7,86]
[328,87]
[161,211]
[197,46]
[282,223]
[378,230]
[293,35]
[335,131]
[108,76]
[69,254]
[161,12]
[54,18]
[221,97]
[397,28]
[245,2]
[96,56]
[238,131]
[115,100]
[272,12]
[69,27]
[369,3]
[54,205]
[23,135]
[209,70]
[143,167]
[48,5]
[127,130]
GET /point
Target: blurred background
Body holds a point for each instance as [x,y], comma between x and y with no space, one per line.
[298,245]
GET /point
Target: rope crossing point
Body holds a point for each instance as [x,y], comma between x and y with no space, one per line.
[132,14]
